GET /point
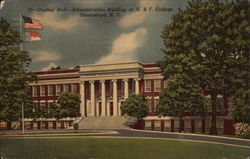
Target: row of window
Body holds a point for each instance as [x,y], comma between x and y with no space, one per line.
[187,125]
[157,85]
[54,88]
[154,106]
[73,88]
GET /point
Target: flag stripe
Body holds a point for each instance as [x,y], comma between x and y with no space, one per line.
[35,38]
[33,34]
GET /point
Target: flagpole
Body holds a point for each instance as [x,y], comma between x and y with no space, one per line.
[21,49]
[22,117]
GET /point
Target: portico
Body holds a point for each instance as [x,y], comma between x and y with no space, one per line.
[104,87]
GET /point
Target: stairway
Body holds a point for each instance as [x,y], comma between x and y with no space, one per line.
[105,123]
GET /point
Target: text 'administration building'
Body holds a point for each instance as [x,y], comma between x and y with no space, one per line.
[103,88]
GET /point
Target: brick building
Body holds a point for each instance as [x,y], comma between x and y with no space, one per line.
[103,88]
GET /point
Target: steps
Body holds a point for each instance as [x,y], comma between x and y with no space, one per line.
[105,123]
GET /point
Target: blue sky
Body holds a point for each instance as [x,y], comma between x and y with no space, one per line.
[69,39]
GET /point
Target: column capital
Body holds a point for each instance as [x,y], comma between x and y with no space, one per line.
[102,81]
[114,80]
[137,79]
[92,81]
[125,79]
[82,82]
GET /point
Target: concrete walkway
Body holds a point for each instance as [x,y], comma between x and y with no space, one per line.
[152,134]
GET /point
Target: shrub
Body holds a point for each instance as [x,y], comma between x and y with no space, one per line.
[242,129]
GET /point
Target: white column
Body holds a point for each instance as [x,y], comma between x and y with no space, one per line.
[92,98]
[108,108]
[119,109]
[103,98]
[97,108]
[82,94]
[136,86]
[125,88]
[115,97]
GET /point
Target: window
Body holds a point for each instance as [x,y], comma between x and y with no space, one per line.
[157,85]
[157,125]
[50,124]
[148,125]
[187,126]
[59,89]
[220,126]
[176,125]
[147,85]
[167,125]
[74,88]
[35,90]
[51,90]
[66,88]
[42,91]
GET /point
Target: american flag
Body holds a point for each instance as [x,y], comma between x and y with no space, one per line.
[30,23]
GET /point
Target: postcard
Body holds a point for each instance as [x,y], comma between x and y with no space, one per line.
[102,79]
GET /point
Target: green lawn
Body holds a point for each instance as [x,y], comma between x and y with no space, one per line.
[116,148]
[63,132]
[54,132]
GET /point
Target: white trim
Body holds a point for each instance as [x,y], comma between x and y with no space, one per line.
[51,82]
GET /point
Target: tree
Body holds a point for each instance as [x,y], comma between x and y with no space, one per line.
[241,106]
[14,75]
[182,93]
[55,68]
[217,33]
[135,106]
[41,112]
[67,106]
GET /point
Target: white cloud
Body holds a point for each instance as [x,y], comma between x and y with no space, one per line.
[50,65]
[2,4]
[124,47]
[45,56]
[138,17]
[54,21]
